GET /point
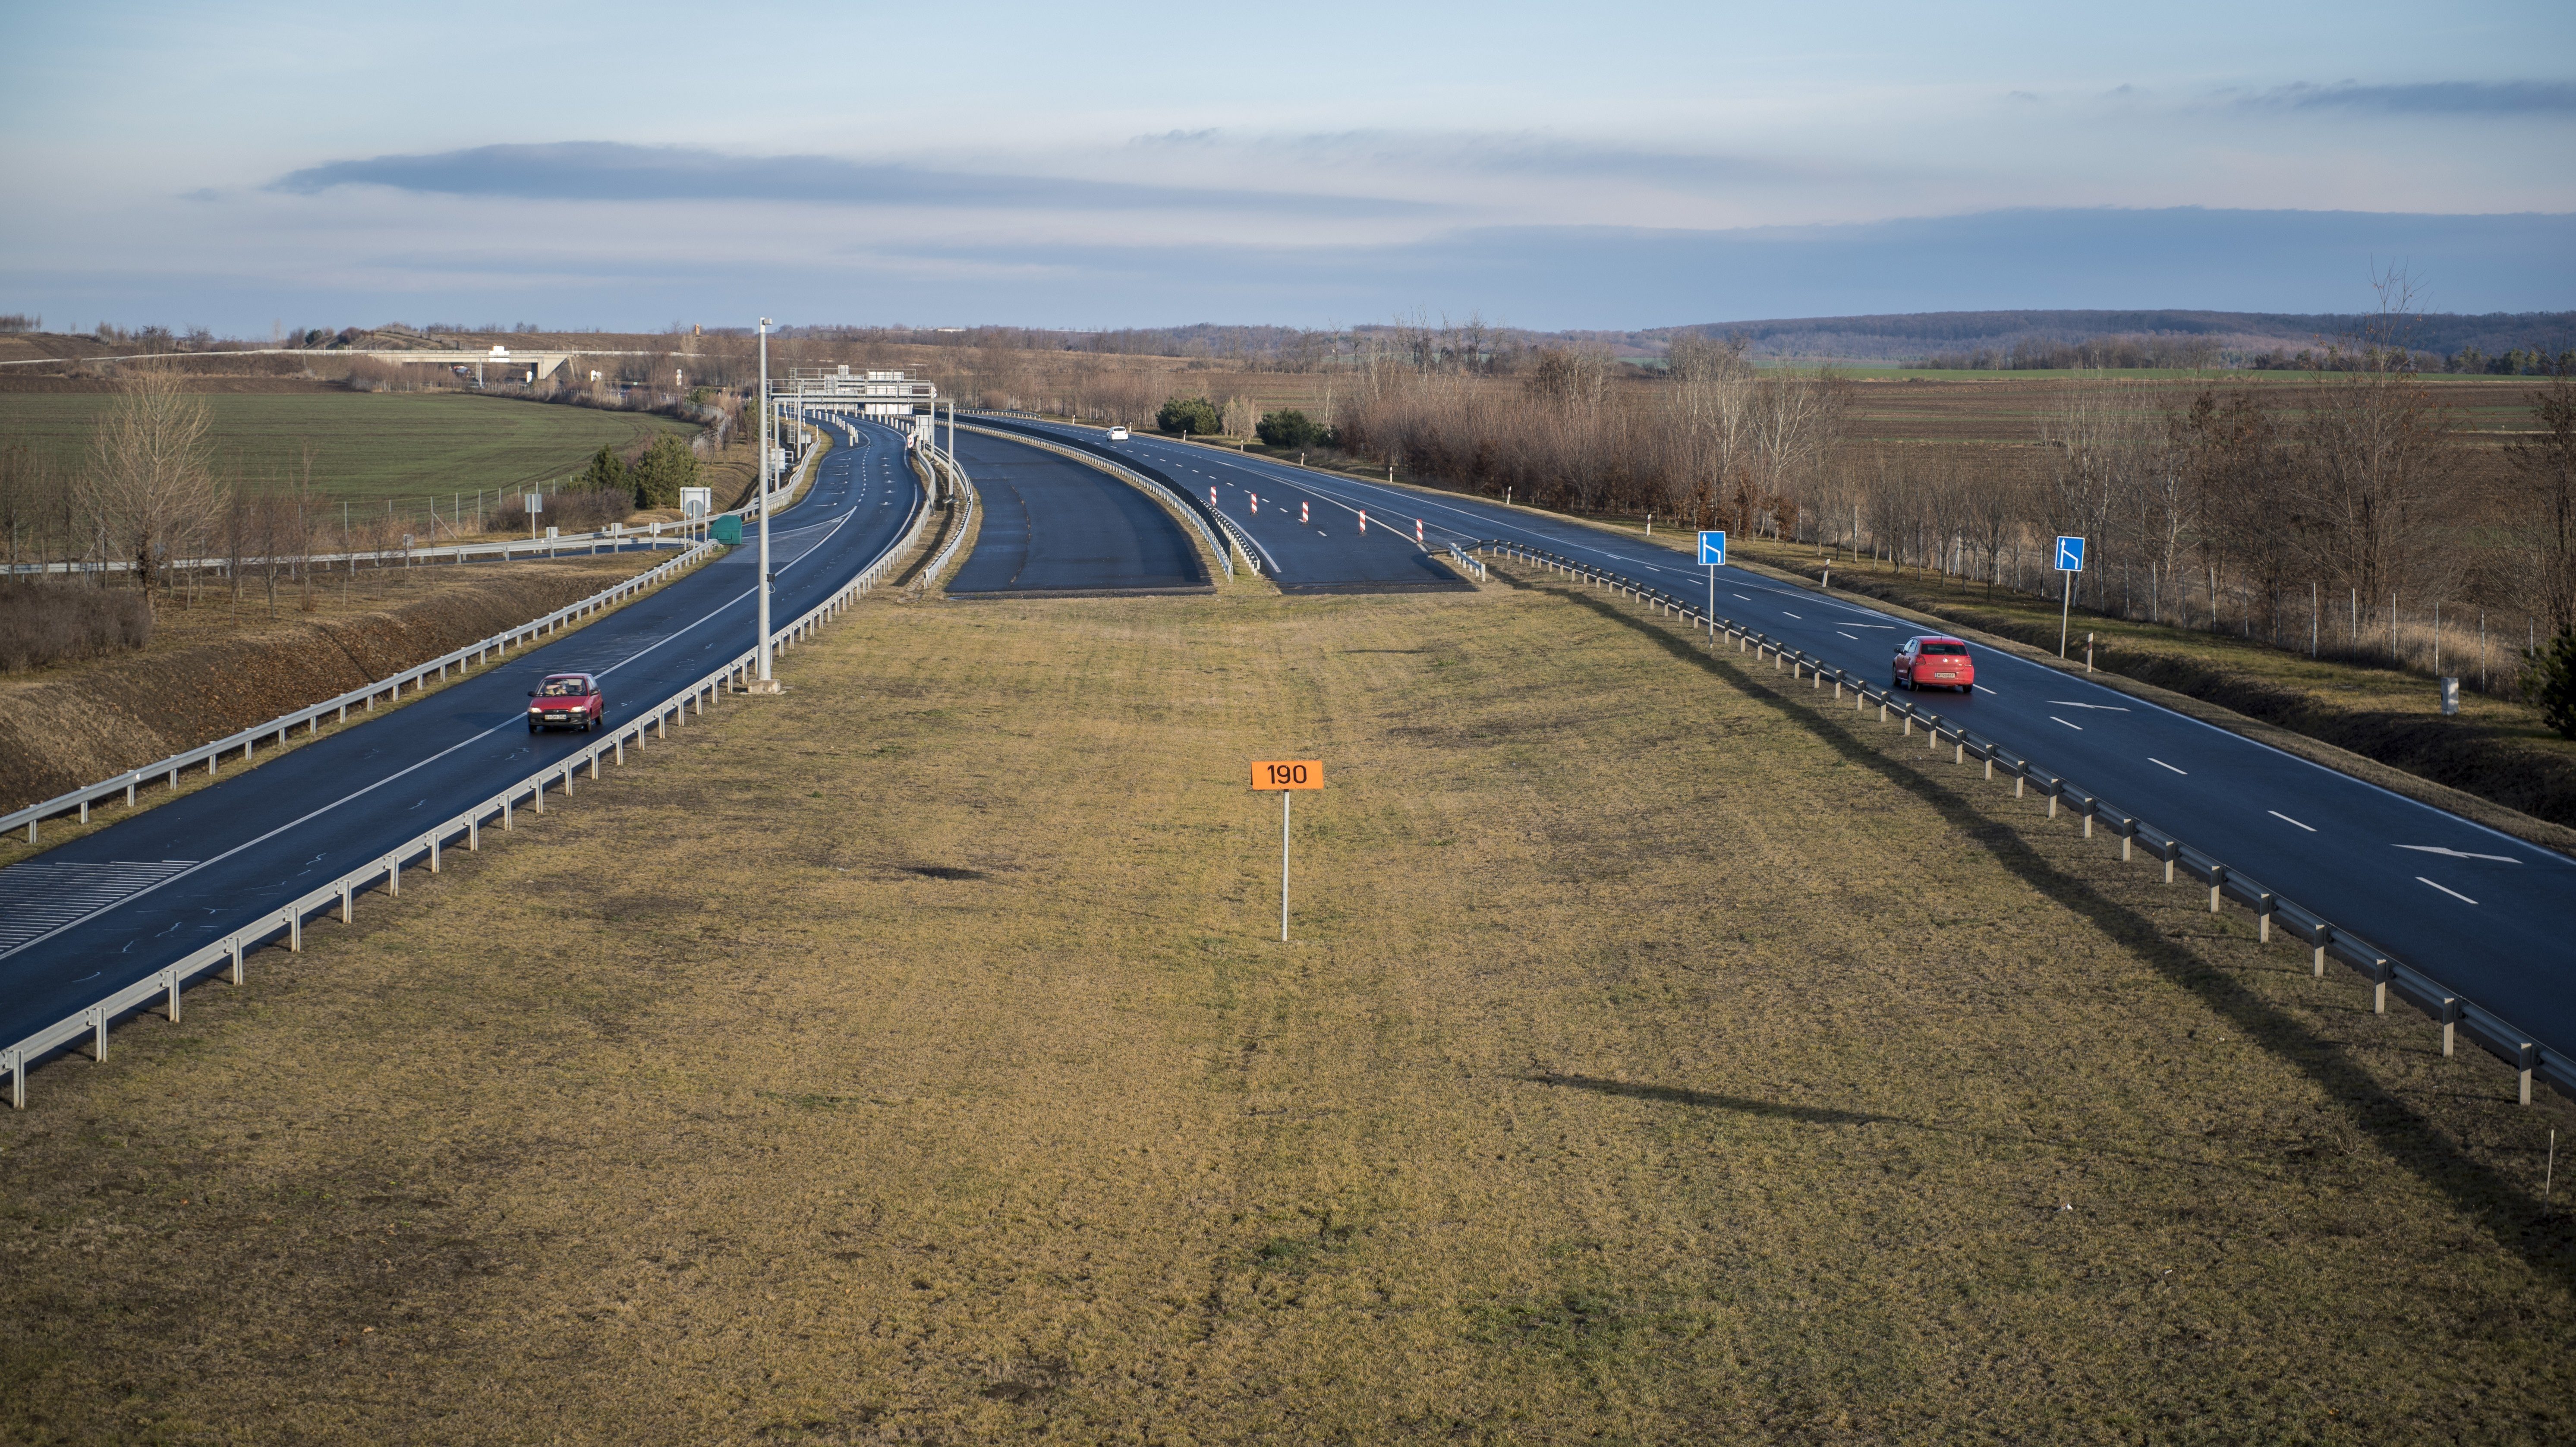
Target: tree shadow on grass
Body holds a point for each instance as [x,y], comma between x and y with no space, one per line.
[2502,1207]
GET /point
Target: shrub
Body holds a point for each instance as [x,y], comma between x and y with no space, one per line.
[666,467]
[1193,415]
[43,623]
[1290,428]
[574,512]
[606,470]
[2549,680]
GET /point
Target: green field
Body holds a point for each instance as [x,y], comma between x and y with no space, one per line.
[367,447]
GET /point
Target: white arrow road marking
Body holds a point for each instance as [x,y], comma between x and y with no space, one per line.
[2079,728]
[2104,707]
[2286,819]
[2457,854]
[2161,764]
[2446,889]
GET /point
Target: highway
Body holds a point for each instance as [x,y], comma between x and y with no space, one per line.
[1053,525]
[2480,910]
[109,909]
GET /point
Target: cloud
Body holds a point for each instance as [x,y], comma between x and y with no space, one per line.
[1511,153]
[610,171]
[2449,97]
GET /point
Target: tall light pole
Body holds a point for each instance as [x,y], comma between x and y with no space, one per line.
[764,684]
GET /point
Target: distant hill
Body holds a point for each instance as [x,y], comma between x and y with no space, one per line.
[2233,337]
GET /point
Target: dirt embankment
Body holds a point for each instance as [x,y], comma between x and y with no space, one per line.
[60,732]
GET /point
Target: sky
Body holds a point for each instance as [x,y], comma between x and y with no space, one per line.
[249,167]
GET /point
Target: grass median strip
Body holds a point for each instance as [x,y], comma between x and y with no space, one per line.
[1662,1057]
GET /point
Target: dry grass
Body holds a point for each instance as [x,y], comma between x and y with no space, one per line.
[1662,1057]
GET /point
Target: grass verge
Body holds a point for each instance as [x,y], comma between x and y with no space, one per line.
[1660,1057]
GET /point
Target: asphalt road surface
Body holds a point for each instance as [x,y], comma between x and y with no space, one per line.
[103,911]
[2479,910]
[1053,525]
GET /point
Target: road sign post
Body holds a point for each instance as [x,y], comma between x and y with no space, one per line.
[2070,561]
[1712,556]
[1286,776]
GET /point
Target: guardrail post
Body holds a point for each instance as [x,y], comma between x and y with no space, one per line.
[2217,883]
[2263,917]
[129,793]
[393,877]
[2381,971]
[295,930]
[235,942]
[2128,834]
[2526,1057]
[2450,1022]
[2324,937]
[537,796]
[474,832]
[1909,723]
[621,746]
[98,1032]
[170,996]
[2054,789]
[433,853]
[594,761]
[17,1081]
[2089,806]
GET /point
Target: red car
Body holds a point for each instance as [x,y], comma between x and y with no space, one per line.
[566,701]
[1932,661]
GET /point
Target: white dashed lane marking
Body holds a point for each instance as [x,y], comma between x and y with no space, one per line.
[2446,889]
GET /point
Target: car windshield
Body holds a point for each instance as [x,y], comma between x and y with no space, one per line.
[563,688]
[1945,648]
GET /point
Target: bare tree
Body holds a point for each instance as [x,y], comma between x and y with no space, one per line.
[151,481]
[2543,503]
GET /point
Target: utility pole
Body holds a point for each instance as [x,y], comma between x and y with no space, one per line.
[765,683]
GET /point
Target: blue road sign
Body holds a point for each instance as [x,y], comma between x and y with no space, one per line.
[2070,555]
[1712,550]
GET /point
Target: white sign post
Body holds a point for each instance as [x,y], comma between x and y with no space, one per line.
[2070,561]
[532,504]
[1712,556]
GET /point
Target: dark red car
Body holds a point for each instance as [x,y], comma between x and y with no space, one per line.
[1932,661]
[566,701]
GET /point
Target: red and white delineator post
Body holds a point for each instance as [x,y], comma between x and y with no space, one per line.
[1301,514]
[1256,503]
[1417,532]
[1363,520]
[1211,497]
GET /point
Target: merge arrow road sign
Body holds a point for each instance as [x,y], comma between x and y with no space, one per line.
[1712,550]
[2070,555]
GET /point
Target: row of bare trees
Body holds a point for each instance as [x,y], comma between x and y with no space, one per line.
[2350,515]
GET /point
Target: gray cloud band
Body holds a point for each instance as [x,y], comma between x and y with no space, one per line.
[610,171]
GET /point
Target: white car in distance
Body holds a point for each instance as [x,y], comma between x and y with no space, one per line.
[1117,434]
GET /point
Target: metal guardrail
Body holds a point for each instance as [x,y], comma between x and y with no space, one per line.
[166,983]
[1206,519]
[246,741]
[2454,1011]
[963,489]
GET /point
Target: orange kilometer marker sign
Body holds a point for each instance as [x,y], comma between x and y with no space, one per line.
[1287,776]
